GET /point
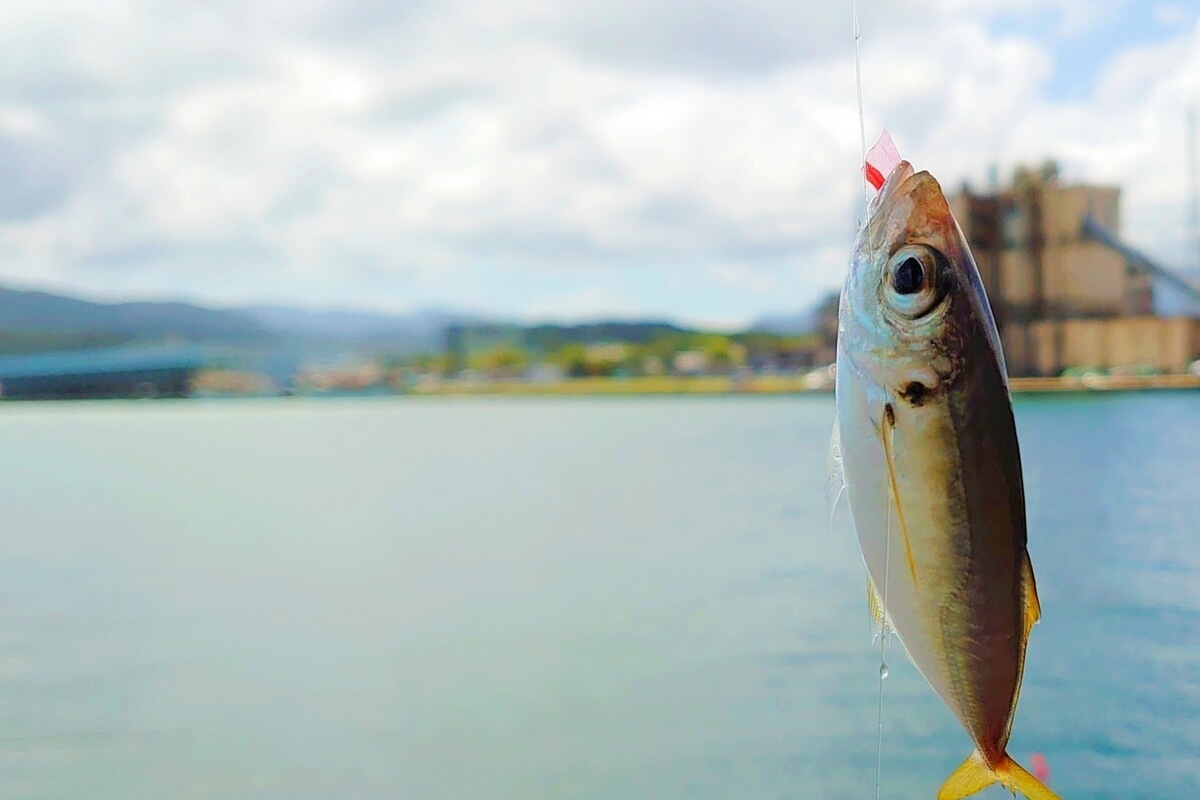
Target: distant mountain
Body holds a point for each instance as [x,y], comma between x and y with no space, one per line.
[786,324]
[40,320]
[419,329]
[34,312]
[799,322]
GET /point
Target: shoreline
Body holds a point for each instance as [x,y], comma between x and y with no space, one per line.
[781,385]
[659,386]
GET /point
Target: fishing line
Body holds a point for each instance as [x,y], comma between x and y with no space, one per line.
[889,419]
[862,123]
[887,438]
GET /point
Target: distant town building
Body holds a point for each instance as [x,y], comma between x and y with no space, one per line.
[545,374]
[343,376]
[689,362]
[217,382]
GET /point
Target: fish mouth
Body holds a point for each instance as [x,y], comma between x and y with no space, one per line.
[891,187]
[909,209]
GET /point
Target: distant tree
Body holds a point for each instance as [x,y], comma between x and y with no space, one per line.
[578,360]
[666,346]
[1049,171]
[634,362]
[1026,178]
[602,366]
[572,359]
[721,353]
[501,360]
[451,363]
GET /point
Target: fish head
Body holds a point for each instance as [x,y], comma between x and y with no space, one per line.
[913,309]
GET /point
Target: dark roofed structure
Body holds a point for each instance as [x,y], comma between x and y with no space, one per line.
[124,372]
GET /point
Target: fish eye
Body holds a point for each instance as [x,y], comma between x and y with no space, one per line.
[911,280]
[908,277]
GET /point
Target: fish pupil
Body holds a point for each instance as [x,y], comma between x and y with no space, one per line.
[909,277]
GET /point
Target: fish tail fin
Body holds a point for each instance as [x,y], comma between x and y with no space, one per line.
[1013,777]
[974,775]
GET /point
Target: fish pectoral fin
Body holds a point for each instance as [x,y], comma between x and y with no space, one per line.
[974,775]
[874,604]
[1033,606]
[835,476]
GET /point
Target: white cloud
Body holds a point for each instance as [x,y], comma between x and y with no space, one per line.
[1178,14]
[453,152]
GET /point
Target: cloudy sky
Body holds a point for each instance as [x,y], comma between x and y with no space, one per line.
[562,159]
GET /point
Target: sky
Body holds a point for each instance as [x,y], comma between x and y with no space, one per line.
[549,159]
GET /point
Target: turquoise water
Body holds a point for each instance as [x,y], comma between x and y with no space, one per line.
[558,598]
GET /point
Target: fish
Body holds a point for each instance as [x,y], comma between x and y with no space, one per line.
[924,450]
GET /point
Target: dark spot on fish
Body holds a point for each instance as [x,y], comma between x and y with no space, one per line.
[915,394]
[890,415]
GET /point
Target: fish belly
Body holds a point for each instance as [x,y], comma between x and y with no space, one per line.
[938,544]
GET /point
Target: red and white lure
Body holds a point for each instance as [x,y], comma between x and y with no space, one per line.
[881,160]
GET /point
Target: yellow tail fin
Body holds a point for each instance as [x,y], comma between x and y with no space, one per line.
[973,775]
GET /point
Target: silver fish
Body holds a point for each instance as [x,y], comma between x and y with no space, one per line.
[926,445]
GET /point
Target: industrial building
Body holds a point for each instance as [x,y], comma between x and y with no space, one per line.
[1064,291]
[101,373]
